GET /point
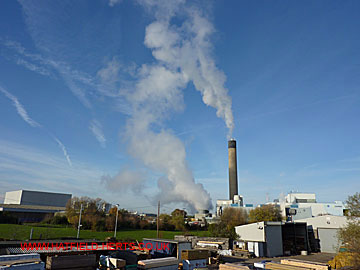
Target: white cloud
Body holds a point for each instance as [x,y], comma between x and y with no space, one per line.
[96,129]
[20,108]
[114,2]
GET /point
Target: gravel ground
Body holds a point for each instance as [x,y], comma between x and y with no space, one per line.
[315,257]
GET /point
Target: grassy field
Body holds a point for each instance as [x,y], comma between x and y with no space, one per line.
[22,232]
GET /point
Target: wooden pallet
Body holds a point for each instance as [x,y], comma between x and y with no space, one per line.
[277,266]
[233,266]
[308,264]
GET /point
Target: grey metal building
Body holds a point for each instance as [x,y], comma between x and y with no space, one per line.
[39,198]
[33,206]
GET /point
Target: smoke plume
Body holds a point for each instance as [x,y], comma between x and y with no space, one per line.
[183,54]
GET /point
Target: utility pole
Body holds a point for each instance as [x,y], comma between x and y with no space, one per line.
[78,232]
[157,223]
[116,220]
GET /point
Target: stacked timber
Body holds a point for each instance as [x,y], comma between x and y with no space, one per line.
[306,264]
[21,262]
[278,266]
[78,262]
[195,254]
[169,263]
[233,266]
[194,258]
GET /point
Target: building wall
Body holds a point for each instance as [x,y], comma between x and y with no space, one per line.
[254,232]
[295,197]
[334,222]
[13,197]
[328,240]
[27,197]
[302,213]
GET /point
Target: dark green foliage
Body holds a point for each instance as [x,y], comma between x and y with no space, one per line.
[6,218]
[265,213]
[230,218]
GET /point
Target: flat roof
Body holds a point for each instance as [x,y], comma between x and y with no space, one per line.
[36,191]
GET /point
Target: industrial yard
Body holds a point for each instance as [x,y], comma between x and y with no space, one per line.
[301,234]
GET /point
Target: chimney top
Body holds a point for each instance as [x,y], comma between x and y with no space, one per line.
[232,143]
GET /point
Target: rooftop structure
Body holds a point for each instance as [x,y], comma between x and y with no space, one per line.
[29,197]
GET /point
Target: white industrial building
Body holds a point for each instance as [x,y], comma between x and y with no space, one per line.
[325,229]
[33,206]
[262,238]
[299,205]
[39,198]
[237,202]
[271,239]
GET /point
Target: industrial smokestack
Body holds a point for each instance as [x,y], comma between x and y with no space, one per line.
[233,183]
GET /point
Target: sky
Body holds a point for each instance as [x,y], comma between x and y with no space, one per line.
[134,101]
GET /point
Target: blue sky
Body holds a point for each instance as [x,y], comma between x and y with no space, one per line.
[132,101]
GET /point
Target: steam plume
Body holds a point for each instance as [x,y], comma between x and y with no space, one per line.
[183,54]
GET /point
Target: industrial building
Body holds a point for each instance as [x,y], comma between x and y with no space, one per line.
[304,205]
[271,239]
[33,206]
[172,248]
[323,231]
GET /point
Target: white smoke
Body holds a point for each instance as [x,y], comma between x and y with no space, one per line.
[183,54]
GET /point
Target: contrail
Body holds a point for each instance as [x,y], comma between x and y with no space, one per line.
[24,115]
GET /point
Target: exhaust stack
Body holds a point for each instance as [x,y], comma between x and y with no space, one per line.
[233,183]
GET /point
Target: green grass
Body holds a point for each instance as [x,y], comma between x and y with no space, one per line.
[22,232]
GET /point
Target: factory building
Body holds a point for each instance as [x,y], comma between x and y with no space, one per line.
[33,206]
[271,239]
[323,232]
[304,205]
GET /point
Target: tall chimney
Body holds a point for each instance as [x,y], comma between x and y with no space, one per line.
[233,183]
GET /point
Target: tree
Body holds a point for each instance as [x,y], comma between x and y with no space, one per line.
[178,219]
[349,236]
[91,214]
[353,205]
[265,213]
[230,218]
[165,222]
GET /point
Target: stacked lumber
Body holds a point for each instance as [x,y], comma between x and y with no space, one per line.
[278,266]
[170,263]
[233,266]
[79,262]
[195,254]
[21,261]
[306,264]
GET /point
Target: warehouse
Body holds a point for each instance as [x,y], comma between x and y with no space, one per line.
[33,206]
[271,239]
[324,230]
